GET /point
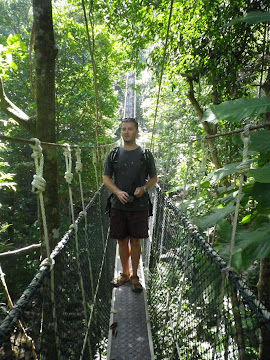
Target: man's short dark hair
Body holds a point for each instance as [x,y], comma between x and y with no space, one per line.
[131,120]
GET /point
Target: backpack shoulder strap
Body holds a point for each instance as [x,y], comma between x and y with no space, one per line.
[114,153]
[146,156]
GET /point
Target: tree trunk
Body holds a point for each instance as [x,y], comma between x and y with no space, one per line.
[207,129]
[45,54]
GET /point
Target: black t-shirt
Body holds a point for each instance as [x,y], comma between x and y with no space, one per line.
[129,170]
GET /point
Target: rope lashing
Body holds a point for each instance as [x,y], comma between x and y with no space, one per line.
[94,160]
[74,227]
[38,183]
[245,165]
[38,186]
[79,169]
[47,262]
[68,173]
[79,165]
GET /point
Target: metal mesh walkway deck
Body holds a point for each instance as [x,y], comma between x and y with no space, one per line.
[130,338]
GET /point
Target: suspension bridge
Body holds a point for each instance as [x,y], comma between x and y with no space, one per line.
[193,305]
[189,315]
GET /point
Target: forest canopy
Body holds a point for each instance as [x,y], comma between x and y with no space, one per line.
[202,69]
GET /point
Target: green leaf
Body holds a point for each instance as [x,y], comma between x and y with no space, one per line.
[262,175]
[23,46]
[254,17]
[215,216]
[13,66]
[236,110]
[226,170]
[246,219]
[261,193]
[205,184]
[259,141]
[253,244]
[225,229]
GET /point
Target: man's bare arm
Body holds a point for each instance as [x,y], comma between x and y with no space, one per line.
[139,191]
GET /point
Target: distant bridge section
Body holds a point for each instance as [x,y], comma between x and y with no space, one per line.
[130,96]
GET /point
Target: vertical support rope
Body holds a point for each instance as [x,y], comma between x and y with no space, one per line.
[161,72]
[69,178]
[38,186]
[79,169]
[95,158]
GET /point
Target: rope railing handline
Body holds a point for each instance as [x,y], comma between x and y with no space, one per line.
[228,133]
[45,143]
[102,146]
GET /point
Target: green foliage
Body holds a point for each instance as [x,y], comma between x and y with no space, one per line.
[14,45]
[222,63]
[215,216]
[261,174]
[254,17]
[252,244]
[236,110]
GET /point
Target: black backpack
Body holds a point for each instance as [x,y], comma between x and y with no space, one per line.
[146,159]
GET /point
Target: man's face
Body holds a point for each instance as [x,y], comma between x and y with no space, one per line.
[129,132]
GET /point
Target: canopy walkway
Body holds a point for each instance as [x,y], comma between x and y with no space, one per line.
[198,309]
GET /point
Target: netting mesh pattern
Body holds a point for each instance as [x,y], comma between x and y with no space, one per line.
[81,294]
[197,310]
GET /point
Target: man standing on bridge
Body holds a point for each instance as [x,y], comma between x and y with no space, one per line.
[129,172]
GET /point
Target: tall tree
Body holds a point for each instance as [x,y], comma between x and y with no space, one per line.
[42,126]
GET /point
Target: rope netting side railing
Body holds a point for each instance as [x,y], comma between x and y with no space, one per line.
[196,325]
[82,316]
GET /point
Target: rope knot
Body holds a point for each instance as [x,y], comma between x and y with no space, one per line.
[246,131]
[66,151]
[37,149]
[74,227]
[83,213]
[68,177]
[38,184]
[47,262]
[243,167]
[68,173]
[78,167]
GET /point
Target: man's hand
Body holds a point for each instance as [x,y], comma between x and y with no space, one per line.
[122,196]
[139,191]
